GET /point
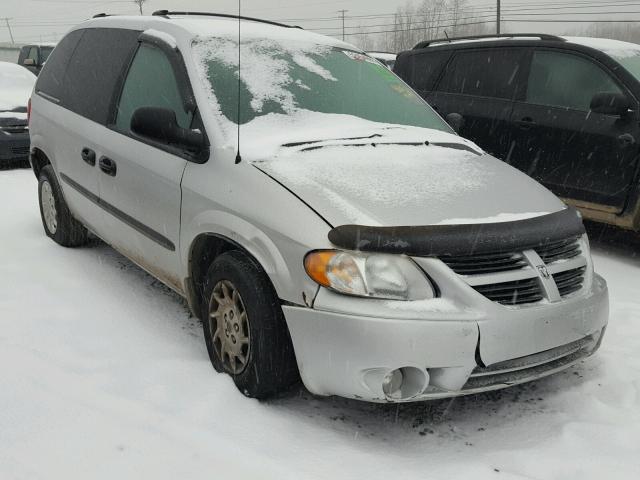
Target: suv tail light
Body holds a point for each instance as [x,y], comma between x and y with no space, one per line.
[29,111]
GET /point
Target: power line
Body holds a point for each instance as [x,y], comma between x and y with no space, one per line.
[343,12]
[6,20]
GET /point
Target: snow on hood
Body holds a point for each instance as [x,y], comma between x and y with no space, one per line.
[393,185]
[265,137]
[16,84]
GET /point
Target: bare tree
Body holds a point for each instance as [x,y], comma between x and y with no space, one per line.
[427,20]
[140,3]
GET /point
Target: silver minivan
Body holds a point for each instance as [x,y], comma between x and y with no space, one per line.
[321,220]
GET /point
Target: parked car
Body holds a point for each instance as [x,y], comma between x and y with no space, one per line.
[33,57]
[16,85]
[563,110]
[388,59]
[358,244]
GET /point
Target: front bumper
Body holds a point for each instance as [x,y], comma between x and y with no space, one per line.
[450,348]
[14,147]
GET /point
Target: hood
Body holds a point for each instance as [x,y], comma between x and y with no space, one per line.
[377,183]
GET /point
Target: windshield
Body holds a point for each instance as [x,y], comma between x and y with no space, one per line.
[277,77]
[44,53]
[629,59]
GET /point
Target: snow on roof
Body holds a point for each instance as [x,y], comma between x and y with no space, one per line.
[187,27]
[614,48]
[16,84]
[382,55]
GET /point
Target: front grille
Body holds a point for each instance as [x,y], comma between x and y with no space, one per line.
[516,292]
[489,263]
[569,281]
[21,151]
[559,250]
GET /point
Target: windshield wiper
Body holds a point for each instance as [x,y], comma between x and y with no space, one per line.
[456,146]
[309,142]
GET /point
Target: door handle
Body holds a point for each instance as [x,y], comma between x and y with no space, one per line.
[108,166]
[89,156]
[626,140]
[526,123]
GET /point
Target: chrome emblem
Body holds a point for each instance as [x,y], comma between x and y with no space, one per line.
[543,271]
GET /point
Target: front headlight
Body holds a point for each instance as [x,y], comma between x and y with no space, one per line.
[393,277]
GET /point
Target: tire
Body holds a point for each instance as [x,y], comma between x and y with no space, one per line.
[260,335]
[57,220]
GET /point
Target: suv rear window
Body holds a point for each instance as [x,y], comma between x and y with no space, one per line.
[421,71]
[98,65]
[483,73]
[51,79]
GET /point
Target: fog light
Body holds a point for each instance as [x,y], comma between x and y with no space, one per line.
[392,382]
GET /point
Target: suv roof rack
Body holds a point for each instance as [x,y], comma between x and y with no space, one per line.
[541,36]
[166,13]
[101,15]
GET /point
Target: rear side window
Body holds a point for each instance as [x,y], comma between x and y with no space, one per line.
[33,54]
[564,80]
[483,73]
[150,83]
[96,70]
[423,69]
[51,79]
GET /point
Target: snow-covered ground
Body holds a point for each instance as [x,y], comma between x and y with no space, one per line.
[104,374]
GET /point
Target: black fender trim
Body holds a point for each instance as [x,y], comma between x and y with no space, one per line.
[465,239]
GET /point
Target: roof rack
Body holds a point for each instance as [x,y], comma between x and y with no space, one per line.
[101,15]
[166,13]
[541,36]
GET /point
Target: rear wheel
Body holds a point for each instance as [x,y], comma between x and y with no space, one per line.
[57,220]
[244,327]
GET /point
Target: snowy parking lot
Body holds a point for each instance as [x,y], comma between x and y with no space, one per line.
[104,374]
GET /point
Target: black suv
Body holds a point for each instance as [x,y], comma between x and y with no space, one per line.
[563,110]
[33,57]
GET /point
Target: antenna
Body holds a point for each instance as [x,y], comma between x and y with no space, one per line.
[238,157]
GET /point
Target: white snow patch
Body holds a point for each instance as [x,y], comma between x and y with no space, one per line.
[614,48]
[16,85]
[264,75]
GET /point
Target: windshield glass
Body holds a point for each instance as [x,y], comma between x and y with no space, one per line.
[629,59]
[281,77]
[44,53]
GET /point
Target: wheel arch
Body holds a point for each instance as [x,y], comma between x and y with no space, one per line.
[203,250]
[38,160]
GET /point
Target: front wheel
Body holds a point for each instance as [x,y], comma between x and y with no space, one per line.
[244,327]
[58,223]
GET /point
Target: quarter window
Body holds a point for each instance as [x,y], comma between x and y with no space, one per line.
[150,83]
[564,80]
[483,73]
[423,69]
[96,70]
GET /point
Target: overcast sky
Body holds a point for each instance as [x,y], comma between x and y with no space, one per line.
[47,20]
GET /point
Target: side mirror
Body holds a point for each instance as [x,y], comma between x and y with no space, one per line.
[160,124]
[455,121]
[609,103]
[29,62]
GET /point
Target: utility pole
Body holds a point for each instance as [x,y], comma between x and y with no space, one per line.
[498,18]
[6,20]
[343,12]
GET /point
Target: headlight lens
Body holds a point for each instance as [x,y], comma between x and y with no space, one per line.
[393,277]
